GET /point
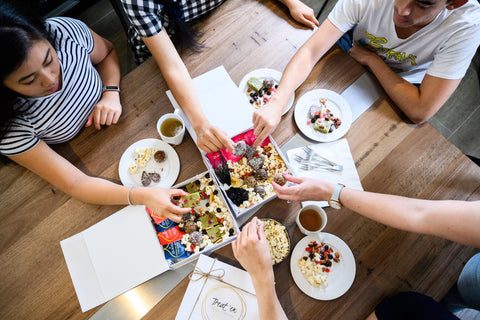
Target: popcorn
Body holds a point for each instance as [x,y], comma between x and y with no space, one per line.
[277,237]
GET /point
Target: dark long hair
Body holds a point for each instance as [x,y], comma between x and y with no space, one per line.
[19,29]
[183,34]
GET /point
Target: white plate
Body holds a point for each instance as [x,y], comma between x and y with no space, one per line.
[335,102]
[340,277]
[263,73]
[170,166]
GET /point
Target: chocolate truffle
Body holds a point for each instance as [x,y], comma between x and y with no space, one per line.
[261,174]
[190,226]
[250,181]
[260,190]
[159,156]
[256,163]
[155,177]
[280,179]
[146,180]
[239,149]
[196,238]
[250,152]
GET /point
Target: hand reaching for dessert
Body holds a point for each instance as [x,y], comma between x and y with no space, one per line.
[159,201]
[266,120]
[252,250]
[211,139]
[304,189]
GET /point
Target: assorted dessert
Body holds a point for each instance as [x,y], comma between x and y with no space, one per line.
[277,237]
[208,223]
[143,168]
[322,118]
[247,174]
[260,90]
[317,262]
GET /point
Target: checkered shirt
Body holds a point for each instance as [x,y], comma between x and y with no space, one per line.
[148,19]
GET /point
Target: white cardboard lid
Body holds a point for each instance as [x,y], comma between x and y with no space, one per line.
[113,256]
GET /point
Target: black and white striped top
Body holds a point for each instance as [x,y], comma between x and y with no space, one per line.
[58,117]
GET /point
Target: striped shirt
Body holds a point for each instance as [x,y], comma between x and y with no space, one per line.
[58,117]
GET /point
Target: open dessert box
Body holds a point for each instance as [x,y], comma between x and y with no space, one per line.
[125,249]
[227,107]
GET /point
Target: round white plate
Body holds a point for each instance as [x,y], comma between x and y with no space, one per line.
[260,74]
[335,102]
[340,277]
[168,169]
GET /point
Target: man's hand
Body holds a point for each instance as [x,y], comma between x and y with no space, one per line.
[211,139]
[363,56]
[303,14]
[107,111]
[265,121]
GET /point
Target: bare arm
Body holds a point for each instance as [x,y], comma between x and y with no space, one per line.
[105,60]
[454,220]
[418,104]
[266,119]
[252,250]
[176,75]
[49,165]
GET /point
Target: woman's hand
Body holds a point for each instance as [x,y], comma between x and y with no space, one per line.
[211,139]
[107,111]
[303,14]
[266,120]
[305,189]
[159,200]
[252,250]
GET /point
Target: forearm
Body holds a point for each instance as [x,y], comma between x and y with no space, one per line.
[405,95]
[109,68]
[304,60]
[268,305]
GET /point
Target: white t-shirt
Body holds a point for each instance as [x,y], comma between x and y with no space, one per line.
[443,48]
[58,117]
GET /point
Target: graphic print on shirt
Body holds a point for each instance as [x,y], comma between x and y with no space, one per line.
[378,45]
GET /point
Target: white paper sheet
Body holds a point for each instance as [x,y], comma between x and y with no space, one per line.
[224,105]
[113,256]
[336,151]
[362,94]
[207,298]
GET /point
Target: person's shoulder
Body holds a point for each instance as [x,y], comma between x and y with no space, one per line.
[469,12]
[63,28]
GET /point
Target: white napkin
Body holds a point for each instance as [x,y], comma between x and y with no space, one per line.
[336,151]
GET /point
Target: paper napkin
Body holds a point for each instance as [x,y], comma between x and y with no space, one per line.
[336,151]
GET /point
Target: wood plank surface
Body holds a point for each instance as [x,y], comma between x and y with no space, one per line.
[391,156]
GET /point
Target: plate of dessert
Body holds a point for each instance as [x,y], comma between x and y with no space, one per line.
[323,115]
[260,85]
[149,163]
[323,267]
[278,239]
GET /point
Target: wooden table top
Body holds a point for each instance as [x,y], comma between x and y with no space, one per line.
[391,156]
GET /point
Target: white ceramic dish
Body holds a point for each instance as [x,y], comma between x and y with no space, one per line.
[261,74]
[341,274]
[168,169]
[335,102]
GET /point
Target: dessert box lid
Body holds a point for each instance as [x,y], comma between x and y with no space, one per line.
[119,253]
[223,103]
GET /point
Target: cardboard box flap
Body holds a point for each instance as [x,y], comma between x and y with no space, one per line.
[113,256]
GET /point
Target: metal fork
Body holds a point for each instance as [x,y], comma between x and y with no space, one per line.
[307,164]
[311,154]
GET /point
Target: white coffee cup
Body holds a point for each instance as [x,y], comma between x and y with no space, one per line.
[175,136]
[312,220]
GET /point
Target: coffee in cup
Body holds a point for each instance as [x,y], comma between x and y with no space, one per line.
[311,219]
